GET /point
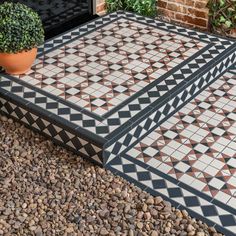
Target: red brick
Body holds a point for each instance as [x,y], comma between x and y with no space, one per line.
[188,12]
[180,17]
[200,5]
[198,13]
[192,13]
[190,3]
[182,2]
[165,12]
[162,4]
[196,21]
[174,7]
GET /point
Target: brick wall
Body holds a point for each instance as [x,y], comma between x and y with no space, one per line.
[193,13]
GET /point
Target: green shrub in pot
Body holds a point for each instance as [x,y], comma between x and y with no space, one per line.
[21,30]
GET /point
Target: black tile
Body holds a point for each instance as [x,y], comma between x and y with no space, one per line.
[191,201]
[102,130]
[129,168]
[159,183]
[209,210]
[175,192]
[143,175]
[88,123]
[228,220]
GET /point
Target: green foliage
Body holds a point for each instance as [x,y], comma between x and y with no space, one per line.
[114,5]
[222,15]
[20,28]
[143,7]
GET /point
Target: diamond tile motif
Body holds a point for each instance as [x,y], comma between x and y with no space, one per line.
[190,158]
[115,79]
[119,91]
[135,54]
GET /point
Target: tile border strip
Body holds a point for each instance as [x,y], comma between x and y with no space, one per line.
[136,172]
[163,112]
[45,125]
[92,25]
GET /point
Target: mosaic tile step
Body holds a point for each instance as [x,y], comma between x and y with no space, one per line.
[190,159]
[101,87]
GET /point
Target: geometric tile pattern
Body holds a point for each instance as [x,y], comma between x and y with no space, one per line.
[59,134]
[117,78]
[101,70]
[149,100]
[161,113]
[195,147]
[180,195]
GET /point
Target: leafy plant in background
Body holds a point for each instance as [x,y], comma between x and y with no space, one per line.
[114,5]
[21,28]
[222,15]
[143,7]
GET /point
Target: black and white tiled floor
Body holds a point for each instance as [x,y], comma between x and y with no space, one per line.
[112,80]
[190,159]
[119,91]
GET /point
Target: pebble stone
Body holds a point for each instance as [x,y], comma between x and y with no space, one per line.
[47,190]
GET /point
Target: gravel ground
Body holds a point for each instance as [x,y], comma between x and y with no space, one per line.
[46,190]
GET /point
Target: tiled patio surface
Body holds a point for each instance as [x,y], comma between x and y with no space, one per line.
[191,158]
[110,89]
[104,68]
[102,87]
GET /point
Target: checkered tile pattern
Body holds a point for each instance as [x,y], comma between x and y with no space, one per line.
[181,196]
[101,70]
[178,79]
[144,82]
[108,18]
[129,84]
[57,133]
[195,147]
[157,115]
[57,108]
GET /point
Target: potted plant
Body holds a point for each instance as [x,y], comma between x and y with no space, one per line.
[21,32]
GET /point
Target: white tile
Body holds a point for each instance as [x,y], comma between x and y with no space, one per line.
[167,150]
[211,170]
[185,149]
[217,164]
[232,162]
[164,168]
[178,155]
[198,185]
[154,162]
[201,148]
[232,202]
[216,183]
[133,152]
[150,151]
[187,179]
[222,197]
[181,166]
[232,181]
[174,144]
[199,165]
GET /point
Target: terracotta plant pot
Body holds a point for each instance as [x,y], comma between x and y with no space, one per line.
[18,63]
